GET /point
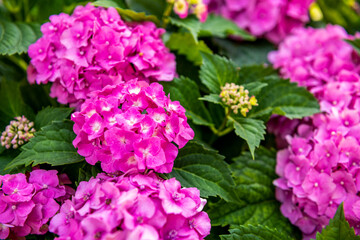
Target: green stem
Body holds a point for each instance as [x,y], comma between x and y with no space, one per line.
[225,131]
[18,61]
[167,12]
[222,130]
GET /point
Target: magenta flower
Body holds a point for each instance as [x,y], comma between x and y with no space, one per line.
[27,204]
[273,19]
[130,206]
[94,48]
[131,125]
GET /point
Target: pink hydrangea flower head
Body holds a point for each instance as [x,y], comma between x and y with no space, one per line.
[28,203]
[272,19]
[315,57]
[94,48]
[131,125]
[131,206]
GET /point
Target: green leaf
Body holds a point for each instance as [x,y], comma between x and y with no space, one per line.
[190,23]
[218,26]
[109,3]
[214,98]
[355,44]
[187,93]
[284,98]
[185,44]
[16,37]
[12,103]
[153,7]
[256,202]
[51,145]
[251,130]
[50,114]
[216,71]
[338,228]
[255,73]
[257,232]
[197,166]
[127,14]
[247,53]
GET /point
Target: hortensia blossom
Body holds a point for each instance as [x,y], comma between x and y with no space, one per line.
[93,48]
[18,132]
[132,125]
[314,57]
[132,206]
[273,19]
[320,166]
[28,202]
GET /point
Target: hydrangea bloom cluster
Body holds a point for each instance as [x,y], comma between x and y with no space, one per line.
[132,125]
[132,206]
[273,19]
[320,166]
[93,48]
[18,132]
[237,98]
[28,202]
[315,57]
[183,7]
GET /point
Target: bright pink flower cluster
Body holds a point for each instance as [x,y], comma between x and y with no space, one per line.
[93,48]
[314,57]
[132,206]
[28,203]
[320,167]
[131,125]
[273,19]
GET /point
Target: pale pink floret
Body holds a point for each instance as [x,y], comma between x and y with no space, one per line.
[93,48]
[130,206]
[131,125]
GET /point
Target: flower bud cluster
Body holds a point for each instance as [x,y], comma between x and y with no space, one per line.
[273,19]
[237,98]
[132,206]
[27,203]
[183,7]
[93,48]
[18,132]
[131,125]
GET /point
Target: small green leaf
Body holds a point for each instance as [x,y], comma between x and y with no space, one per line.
[218,26]
[51,145]
[338,228]
[109,3]
[187,93]
[197,166]
[185,44]
[256,203]
[257,232]
[214,98]
[16,37]
[251,130]
[284,98]
[127,14]
[50,114]
[216,71]
[190,23]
